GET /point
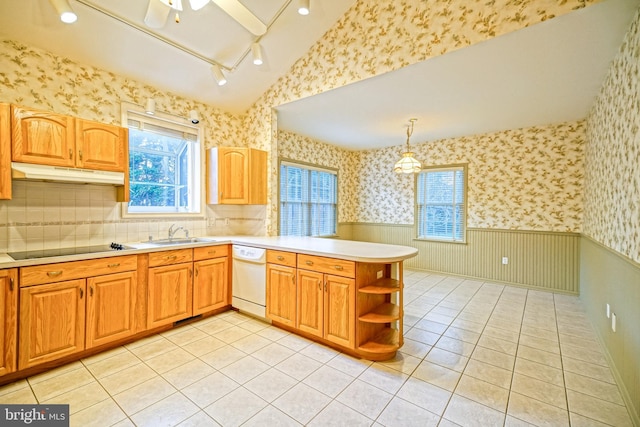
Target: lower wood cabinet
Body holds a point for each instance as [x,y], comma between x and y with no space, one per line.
[110,307]
[170,294]
[211,286]
[281,294]
[68,316]
[8,320]
[52,321]
[326,306]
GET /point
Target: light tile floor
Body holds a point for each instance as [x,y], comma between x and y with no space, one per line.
[475,353]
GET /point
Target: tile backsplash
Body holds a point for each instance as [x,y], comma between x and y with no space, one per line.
[43,215]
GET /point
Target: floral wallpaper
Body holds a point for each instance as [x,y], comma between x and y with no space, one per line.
[612,154]
[38,79]
[522,179]
[375,37]
[292,146]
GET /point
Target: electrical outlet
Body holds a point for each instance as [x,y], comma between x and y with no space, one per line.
[608,311]
[379,274]
[613,322]
[505,260]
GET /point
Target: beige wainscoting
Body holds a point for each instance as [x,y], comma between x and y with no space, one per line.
[606,277]
[547,260]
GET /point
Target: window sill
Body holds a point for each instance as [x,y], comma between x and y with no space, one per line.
[434,240]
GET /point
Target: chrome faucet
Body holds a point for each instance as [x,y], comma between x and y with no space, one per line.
[173,231]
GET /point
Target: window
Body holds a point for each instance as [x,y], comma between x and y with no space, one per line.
[164,167]
[308,200]
[440,204]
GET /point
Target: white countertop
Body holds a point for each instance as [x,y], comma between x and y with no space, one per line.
[333,248]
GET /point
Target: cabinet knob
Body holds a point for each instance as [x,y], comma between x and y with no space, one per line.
[280,258]
[11,284]
[338,267]
[70,153]
[319,285]
[81,293]
[90,291]
[308,262]
[80,154]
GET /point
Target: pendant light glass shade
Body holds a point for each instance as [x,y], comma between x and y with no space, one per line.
[408,164]
[303,7]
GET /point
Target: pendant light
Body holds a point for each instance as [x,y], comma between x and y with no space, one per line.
[219,75]
[408,164]
[256,51]
[303,7]
[67,15]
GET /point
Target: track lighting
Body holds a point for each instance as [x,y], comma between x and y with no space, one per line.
[256,51]
[303,7]
[150,107]
[219,76]
[198,4]
[67,15]
[193,116]
[173,4]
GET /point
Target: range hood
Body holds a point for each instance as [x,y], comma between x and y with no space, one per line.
[61,174]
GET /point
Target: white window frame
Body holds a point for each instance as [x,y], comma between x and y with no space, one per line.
[181,124]
[446,168]
[310,167]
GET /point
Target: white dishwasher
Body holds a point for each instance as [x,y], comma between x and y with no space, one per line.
[249,283]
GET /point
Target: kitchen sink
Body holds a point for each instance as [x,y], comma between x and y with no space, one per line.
[183,241]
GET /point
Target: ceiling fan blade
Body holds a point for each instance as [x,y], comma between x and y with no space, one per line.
[240,13]
[157,14]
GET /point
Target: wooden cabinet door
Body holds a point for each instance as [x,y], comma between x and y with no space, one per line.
[310,302]
[210,285]
[100,146]
[5,151]
[281,294]
[8,320]
[110,307]
[233,175]
[340,310]
[52,320]
[170,294]
[42,137]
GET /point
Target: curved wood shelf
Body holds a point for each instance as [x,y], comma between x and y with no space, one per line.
[383,346]
[381,286]
[384,313]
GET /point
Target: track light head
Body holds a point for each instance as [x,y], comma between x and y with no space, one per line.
[219,75]
[67,15]
[193,116]
[303,7]
[256,51]
[150,106]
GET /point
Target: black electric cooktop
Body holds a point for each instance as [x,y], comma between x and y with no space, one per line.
[45,253]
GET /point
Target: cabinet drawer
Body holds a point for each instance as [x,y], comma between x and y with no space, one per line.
[50,273]
[210,252]
[327,265]
[282,258]
[157,259]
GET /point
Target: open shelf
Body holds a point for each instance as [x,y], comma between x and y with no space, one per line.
[381,286]
[385,342]
[384,313]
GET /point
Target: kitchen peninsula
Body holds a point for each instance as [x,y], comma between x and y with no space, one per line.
[345,294]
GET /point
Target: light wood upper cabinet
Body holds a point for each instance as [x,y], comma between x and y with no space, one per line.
[101,147]
[46,138]
[237,176]
[52,322]
[8,320]
[110,307]
[5,151]
[281,294]
[42,137]
[210,285]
